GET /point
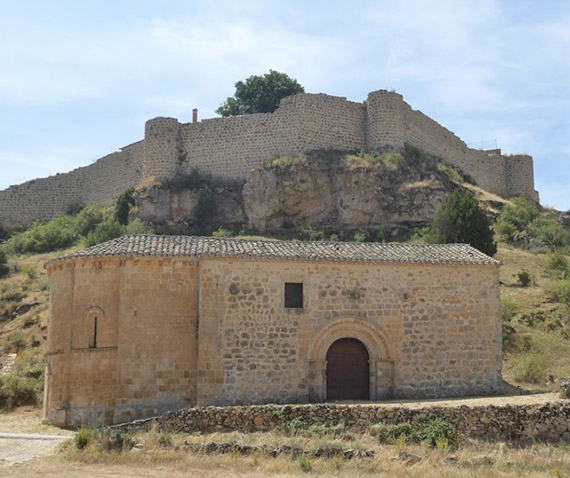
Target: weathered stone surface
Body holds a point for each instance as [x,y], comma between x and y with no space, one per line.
[344,193]
[177,208]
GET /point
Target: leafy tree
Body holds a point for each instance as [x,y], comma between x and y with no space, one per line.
[3,232]
[4,269]
[260,94]
[461,220]
[123,206]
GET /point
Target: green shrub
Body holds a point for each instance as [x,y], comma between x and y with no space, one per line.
[305,463]
[330,432]
[548,232]
[388,433]
[421,232]
[107,230]
[428,429]
[23,384]
[308,233]
[83,436]
[438,428]
[138,227]
[519,212]
[221,232]
[360,236]
[510,338]
[4,268]
[56,234]
[17,339]
[557,262]
[505,230]
[381,235]
[451,172]
[524,278]
[291,427]
[560,292]
[508,308]
[89,218]
[530,367]
[30,271]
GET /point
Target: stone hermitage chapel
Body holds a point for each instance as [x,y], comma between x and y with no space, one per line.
[144,324]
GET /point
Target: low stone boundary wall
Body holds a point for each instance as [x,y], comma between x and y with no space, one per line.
[519,423]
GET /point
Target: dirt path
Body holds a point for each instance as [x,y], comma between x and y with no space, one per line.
[535,399]
[55,467]
[23,437]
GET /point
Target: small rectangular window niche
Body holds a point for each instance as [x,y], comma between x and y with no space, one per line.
[294,295]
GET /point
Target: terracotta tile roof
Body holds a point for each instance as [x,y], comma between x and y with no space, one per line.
[189,246]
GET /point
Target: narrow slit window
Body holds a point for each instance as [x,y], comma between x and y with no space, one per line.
[93,336]
[294,295]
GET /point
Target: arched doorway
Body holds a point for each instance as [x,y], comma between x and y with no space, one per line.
[348,370]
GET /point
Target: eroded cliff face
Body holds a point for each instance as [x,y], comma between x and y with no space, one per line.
[345,191]
[321,189]
[179,210]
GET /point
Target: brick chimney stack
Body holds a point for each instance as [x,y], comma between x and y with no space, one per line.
[195,115]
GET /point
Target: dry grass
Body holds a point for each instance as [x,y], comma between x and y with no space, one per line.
[471,458]
[533,321]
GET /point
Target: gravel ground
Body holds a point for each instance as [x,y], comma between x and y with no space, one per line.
[16,448]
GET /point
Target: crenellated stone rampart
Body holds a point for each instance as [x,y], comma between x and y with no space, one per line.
[228,148]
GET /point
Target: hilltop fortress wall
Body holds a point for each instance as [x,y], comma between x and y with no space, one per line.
[228,148]
[101,182]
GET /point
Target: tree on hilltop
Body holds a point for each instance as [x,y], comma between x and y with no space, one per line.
[260,94]
[462,220]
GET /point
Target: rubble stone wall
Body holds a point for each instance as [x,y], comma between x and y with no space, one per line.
[516,423]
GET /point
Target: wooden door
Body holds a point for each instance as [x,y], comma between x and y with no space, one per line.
[348,371]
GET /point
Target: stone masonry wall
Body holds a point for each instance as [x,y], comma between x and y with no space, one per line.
[40,199]
[502,175]
[102,182]
[228,148]
[516,423]
[178,332]
[145,359]
[428,331]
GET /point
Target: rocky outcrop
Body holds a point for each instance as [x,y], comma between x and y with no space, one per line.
[178,208]
[338,190]
[344,191]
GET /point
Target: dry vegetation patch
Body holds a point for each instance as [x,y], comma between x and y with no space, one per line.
[170,455]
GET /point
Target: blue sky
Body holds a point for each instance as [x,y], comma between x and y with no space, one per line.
[80,78]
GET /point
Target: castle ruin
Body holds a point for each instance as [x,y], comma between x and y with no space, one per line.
[228,148]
